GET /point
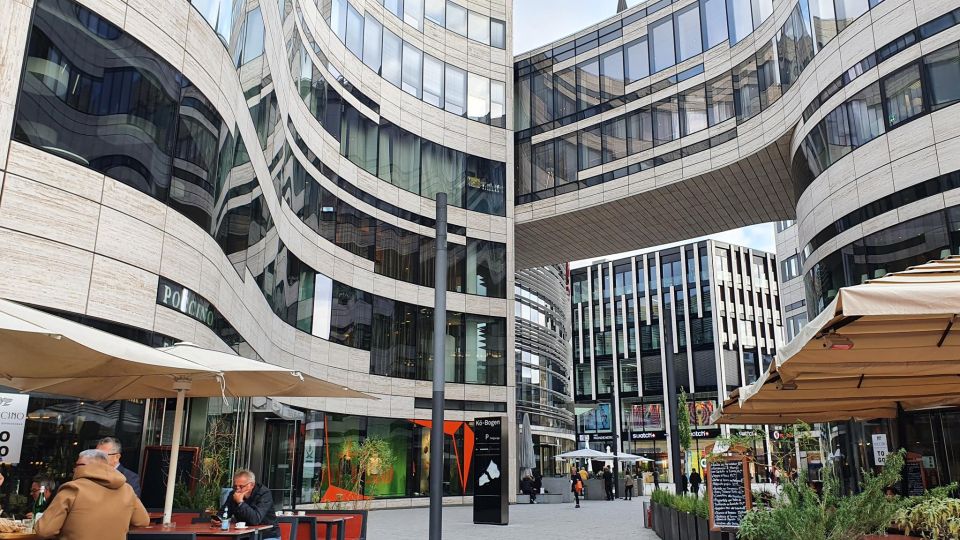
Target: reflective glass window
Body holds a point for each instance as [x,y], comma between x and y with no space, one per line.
[848,11]
[614,139]
[397,253]
[457,18]
[903,95]
[351,316]
[455,90]
[442,170]
[611,74]
[746,90]
[693,110]
[866,115]
[566,159]
[395,7]
[412,69]
[761,10]
[565,92]
[485,359]
[522,169]
[435,11]
[720,99]
[838,133]
[486,268]
[253,35]
[824,21]
[354,39]
[637,60]
[740,19]
[498,104]
[789,67]
[590,148]
[662,51]
[322,295]
[588,84]
[399,157]
[478,27]
[486,186]
[943,76]
[498,34]
[688,34]
[478,98]
[356,230]
[432,81]
[639,130]
[358,139]
[392,55]
[666,121]
[543,169]
[541,97]
[768,74]
[714,22]
[372,40]
[413,13]
[338,18]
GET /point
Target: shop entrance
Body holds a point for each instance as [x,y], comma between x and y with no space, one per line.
[281,459]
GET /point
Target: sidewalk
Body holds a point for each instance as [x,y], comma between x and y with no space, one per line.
[594,519]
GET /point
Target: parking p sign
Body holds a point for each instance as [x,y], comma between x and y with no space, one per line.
[879,448]
[13,417]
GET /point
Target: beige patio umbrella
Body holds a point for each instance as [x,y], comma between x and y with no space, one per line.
[877,346]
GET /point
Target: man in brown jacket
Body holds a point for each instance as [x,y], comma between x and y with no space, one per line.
[97,505]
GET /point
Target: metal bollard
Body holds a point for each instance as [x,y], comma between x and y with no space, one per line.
[646,515]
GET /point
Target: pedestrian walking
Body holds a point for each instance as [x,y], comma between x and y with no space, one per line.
[608,482]
[576,486]
[683,483]
[695,481]
[656,479]
[628,486]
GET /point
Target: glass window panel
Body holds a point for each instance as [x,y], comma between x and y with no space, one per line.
[541,97]
[943,76]
[640,131]
[522,169]
[434,10]
[413,13]
[714,19]
[611,74]
[354,31]
[412,69]
[486,185]
[455,90]
[485,359]
[498,34]
[543,169]
[358,140]
[372,40]
[746,90]
[566,159]
[903,95]
[848,11]
[565,92]
[787,52]
[662,51]
[590,148]
[457,18]
[637,60]
[253,35]
[866,115]
[693,108]
[498,104]
[338,18]
[478,98]
[689,42]
[588,84]
[486,268]
[761,10]
[768,74]
[356,231]
[394,6]
[666,121]
[392,54]
[399,157]
[432,81]
[824,21]
[442,170]
[838,133]
[479,27]
[740,19]
[614,139]
[720,100]
[350,316]
[322,294]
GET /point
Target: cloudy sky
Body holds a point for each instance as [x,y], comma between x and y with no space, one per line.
[538,22]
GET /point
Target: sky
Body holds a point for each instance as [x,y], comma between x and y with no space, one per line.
[538,22]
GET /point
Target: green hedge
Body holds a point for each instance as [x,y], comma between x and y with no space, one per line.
[682,503]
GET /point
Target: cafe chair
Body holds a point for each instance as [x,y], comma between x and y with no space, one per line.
[288,528]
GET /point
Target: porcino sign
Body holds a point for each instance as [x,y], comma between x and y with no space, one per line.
[182,299]
[13,418]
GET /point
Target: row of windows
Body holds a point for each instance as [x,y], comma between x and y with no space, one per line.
[790,267]
[415,72]
[545,95]
[449,15]
[395,154]
[926,85]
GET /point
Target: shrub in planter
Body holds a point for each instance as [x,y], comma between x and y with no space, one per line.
[933,517]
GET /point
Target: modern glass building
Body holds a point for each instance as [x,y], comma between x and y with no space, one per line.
[260,177]
[710,308]
[542,359]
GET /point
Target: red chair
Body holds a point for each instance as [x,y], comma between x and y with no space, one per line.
[287,530]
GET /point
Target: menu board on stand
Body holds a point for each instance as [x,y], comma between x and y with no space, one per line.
[728,492]
[913,475]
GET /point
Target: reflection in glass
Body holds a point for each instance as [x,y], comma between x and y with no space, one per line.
[479,27]
[662,51]
[498,34]
[412,63]
[688,32]
[457,18]
[392,54]
[541,97]
[720,100]
[693,109]
[478,98]
[740,19]
[866,115]
[714,18]
[372,39]
[614,139]
[434,11]
[498,104]
[768,74]
[611,73]
[588,84]
[565,92]
[848,11]
[640,130]
[943,76]
[746,90]
[456,90]
[666,121]
[824,21]
[543,167]
[590,148]
[413,13]
[637,60]
[355,25]
[903,95]
[432,81]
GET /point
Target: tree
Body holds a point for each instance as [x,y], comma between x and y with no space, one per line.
[683,420]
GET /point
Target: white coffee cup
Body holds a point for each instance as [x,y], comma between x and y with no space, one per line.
[241,525]
[301,512]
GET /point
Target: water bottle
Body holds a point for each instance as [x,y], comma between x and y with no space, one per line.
[39,506]
[225,521]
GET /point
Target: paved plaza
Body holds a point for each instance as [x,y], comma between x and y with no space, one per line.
[594,519]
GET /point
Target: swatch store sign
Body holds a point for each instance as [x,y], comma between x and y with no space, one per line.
[13,418]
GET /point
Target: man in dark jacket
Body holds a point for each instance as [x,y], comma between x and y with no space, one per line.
[112,448]
[695,481]
[252,504]
[608,482]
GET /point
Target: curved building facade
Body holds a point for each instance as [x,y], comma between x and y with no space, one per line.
[543,362]
[260,177]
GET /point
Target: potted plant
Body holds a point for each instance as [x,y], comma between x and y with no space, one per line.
[934,516]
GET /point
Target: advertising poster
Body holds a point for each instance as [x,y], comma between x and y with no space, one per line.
[13,418]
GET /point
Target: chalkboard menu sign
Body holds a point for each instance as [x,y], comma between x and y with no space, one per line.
[913,474]
[491,480]
[728,490]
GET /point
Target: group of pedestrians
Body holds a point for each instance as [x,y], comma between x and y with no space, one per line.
[578,479]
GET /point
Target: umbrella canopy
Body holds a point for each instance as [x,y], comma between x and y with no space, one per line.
[585,453]
[877,346]
[527,458]
[623,456]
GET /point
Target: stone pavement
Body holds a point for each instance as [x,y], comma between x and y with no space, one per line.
[594,519]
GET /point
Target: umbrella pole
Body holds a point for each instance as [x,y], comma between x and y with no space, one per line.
[181,386]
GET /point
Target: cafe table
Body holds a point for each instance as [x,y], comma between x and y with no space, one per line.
[202,530]
[329,521]
[18,536]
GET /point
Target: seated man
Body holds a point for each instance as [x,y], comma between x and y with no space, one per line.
[97,504]
[41,486]
[252,504]
[112,448]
